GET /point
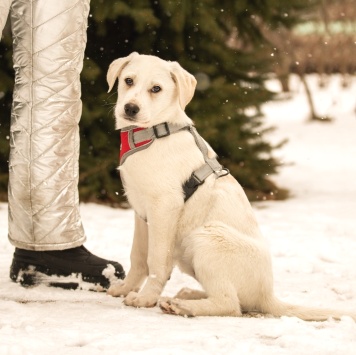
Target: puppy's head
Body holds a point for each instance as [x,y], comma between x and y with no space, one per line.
[150,90]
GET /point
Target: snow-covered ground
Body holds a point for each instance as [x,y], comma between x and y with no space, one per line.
[313,243]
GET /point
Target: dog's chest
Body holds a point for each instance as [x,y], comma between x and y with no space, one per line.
[159,171]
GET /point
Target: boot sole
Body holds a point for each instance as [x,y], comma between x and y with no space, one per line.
[28,275]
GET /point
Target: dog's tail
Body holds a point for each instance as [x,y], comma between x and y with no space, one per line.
[279,308]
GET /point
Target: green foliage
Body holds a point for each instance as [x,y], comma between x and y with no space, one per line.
[218,41]
[6,84]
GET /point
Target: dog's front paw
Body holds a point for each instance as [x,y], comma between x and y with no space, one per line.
[120,289]
[134,299]
[175,306]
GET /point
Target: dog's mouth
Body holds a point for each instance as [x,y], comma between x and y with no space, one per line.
[135,120]
[129,118]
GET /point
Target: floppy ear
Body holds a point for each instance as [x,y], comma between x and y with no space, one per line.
[116,67]
[185,82]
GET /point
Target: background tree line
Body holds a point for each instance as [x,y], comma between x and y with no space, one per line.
[222,42]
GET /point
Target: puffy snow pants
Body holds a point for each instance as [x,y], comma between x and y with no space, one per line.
[49,38]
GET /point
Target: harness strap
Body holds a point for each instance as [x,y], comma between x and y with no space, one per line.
[159,131]
[211,166]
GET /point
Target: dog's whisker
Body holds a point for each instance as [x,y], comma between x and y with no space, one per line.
[112,94]
[109,104]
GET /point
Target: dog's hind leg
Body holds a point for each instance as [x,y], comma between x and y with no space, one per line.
[211,252]
[219,299]
[189,294]
[185,294]
[221,303]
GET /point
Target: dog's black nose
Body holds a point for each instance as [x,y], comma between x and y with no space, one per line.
[131,110]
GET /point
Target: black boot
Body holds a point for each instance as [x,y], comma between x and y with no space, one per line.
[71,269]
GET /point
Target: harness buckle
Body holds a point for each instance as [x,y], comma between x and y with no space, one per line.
[164,134]
[222,172]
[190,186]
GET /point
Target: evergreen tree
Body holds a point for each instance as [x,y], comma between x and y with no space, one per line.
[6,85]
[218,41]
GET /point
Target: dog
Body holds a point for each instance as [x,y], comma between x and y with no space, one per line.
[201,222]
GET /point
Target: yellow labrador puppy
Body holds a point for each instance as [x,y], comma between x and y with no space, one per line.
[189,211]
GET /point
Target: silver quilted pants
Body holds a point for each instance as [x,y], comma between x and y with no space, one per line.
[49,38]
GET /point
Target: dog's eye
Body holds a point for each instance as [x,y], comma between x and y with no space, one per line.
[156,88]
[129,81]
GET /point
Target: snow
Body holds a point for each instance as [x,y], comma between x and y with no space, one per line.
[312,238]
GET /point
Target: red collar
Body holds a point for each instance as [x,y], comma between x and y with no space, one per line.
[128,146]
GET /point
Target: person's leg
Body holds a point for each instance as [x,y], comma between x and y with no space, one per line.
[49,39]
[48,44]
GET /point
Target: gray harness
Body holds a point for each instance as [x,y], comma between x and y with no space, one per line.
[134,139]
